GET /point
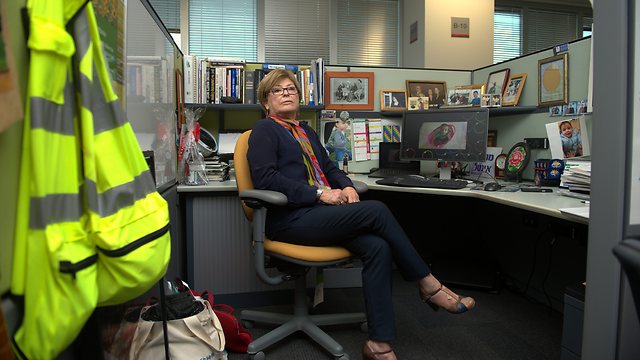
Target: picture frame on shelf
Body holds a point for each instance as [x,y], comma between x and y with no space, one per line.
[496,100]
[460,97]
[436,91]
[485,100]
[391,100]
[514,89]
[475,93]
[497,81]
[418,103]
[346,90]
[553,80]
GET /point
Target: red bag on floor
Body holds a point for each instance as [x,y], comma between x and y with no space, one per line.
[237,338]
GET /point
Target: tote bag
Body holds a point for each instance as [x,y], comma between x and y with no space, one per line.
[199,336]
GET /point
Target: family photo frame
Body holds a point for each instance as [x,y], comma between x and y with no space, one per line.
[436,91]
[346,90]
[553,80]
[393,100]
[497,81]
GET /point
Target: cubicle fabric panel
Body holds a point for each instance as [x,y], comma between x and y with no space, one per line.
[91,228]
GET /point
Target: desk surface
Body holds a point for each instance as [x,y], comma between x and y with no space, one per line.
[542,203]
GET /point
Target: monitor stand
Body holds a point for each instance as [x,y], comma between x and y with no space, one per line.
[445,170]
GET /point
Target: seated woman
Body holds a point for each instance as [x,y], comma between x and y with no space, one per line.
[324,209]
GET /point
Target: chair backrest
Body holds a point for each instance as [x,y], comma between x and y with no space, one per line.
[628,253]
[242,170]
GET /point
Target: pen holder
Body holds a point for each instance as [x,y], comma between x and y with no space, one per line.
[548,172]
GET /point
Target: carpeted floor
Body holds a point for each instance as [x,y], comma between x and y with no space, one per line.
[502,326]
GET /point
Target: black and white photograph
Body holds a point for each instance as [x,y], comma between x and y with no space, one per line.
[393,100]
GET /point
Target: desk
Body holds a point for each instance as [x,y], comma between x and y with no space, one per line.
[218,235]
[541,203]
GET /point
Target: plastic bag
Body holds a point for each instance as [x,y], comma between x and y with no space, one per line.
[190,160]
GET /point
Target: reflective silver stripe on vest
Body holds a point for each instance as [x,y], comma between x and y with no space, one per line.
[121,196]
[52,117]
[106,116]
[54,208]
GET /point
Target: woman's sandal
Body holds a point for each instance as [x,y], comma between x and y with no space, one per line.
[369,354]
[459,308]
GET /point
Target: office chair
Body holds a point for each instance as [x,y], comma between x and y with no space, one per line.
[628,253]
[293,263]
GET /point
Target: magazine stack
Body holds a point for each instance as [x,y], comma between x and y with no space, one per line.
[576,179]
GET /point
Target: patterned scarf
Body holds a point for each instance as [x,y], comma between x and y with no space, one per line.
[315,175]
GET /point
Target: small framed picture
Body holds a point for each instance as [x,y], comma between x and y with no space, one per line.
[485,100]
[460,97]
[418,103]
[553,80]
[496,100]
[346,90]
[514,89]
[475,93]
[572,108]
[497,81]
[393,100]
[557,110]
[436,91]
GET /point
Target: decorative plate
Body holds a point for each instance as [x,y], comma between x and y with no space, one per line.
[517,159]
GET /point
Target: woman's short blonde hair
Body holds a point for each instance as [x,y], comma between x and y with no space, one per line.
[270,80]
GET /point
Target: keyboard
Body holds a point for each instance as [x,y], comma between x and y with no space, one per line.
[423,182]
[384,173]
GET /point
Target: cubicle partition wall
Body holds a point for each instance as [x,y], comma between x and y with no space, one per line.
[525,119]
[151,62]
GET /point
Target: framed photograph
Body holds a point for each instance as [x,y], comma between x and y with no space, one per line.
[346,90]
[393,100]
[485,100]
[496,100]
[514,88]
[460,97]
[475,93]
[436,91]
[497,81]
[553,80]
[556,110]
[418,103]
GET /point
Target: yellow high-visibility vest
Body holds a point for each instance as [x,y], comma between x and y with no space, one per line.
[91,228]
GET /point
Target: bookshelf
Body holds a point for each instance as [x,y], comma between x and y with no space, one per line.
[224,110]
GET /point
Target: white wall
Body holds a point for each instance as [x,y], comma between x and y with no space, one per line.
[445,52]
[413,53]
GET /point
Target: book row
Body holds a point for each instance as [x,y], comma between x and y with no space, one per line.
[218,81]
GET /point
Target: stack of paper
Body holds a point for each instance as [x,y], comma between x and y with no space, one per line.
[577,176]
[216,170]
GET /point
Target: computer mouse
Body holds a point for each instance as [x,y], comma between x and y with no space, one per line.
[492,186]
[415,176]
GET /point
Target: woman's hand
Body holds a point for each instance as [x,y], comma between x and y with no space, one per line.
[333,197]
[352,194]
[339,197]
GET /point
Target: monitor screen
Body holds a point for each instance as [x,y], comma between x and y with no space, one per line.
[445,135]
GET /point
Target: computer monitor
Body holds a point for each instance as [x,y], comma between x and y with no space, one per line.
[445,135]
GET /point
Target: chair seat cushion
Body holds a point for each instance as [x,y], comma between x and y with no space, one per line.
[307,253]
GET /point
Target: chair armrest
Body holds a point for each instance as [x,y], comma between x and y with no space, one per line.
[360,186]
[264,196]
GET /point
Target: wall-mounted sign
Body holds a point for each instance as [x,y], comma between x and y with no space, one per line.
[459,27]
[413,32]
